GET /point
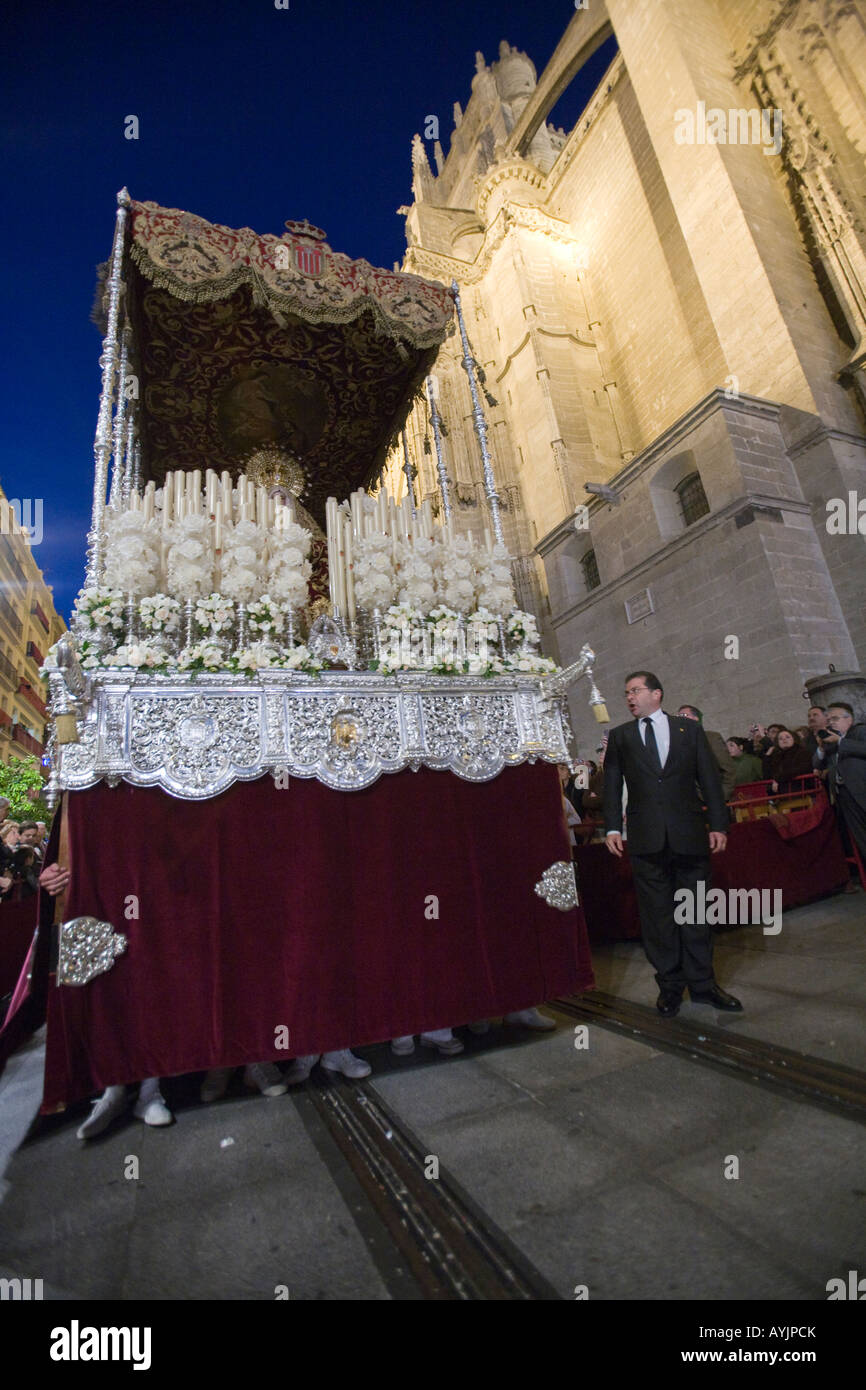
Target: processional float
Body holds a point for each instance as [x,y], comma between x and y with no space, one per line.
[199,654]
[255,603]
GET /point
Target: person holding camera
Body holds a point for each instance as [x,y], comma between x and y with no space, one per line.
[843,755]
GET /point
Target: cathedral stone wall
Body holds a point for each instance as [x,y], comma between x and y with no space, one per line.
[649,301]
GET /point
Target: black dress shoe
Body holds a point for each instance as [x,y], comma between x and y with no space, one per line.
[719,1000]
[668,1003]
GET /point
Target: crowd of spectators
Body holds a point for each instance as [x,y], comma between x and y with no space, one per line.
[22,848]
[768,762]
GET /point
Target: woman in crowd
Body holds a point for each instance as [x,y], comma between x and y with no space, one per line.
[747,766]
[787,761]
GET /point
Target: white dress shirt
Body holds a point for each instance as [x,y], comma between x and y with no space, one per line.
[662,731]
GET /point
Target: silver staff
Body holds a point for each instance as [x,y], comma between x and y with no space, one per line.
[444,484]
[480,422]
[108,362]
[407,469]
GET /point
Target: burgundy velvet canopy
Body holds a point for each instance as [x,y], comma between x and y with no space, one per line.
[346,918]
[242,340]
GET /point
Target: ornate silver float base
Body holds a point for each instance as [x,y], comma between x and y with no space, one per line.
[196,735]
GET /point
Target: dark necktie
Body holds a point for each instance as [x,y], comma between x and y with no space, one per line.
[651,746]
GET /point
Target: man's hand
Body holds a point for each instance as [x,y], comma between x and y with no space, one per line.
[831,739]
[614,843]
[718,840]
[54,879]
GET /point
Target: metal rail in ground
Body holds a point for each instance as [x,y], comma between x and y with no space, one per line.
[451,1248]
[808,1078]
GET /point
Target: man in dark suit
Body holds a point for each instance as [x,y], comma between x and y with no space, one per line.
[663,760]
[843,753]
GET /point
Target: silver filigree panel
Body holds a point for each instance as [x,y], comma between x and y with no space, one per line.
[87,948]
[474,735]
[558,886]
[196,736]
[199,742]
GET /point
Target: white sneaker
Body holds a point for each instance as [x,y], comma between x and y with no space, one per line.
[153,1110]
[443,1040]
[480,1027]
[531,1018]
[267,1077]
[403,1047]
[300,1069]
[347,1063]
[106,1109]
[215,1084]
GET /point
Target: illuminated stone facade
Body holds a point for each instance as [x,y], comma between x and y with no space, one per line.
[649,304]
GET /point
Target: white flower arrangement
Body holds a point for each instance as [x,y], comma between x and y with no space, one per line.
[494,588]
[374,573]
[265,617]
[189,564]
[203,656]
[288,566]
[522,627]
[100,610]
[483,623]
[159,613]
[530,663]
[137,654]
[242,561]
[257,657]
[415,574]
[300,658]
[455,574]
[214,614]
[132,553]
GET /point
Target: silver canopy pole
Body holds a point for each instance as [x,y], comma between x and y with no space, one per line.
[444,484]
[480,422]
[108,363]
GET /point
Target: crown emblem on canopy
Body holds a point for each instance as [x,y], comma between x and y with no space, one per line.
[305,229]
[276,469]
[309,248]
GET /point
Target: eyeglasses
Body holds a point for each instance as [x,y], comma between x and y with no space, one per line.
[636,689]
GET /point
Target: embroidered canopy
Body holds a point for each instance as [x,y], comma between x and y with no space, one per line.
[242,340]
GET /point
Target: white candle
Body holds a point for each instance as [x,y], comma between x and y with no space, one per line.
[227,492]
[178,492]
[195,489]
[211,486]
[339,570]
[218,525]
[149,501]
[355,508]
[167,499]
[262,506]
[350,573]
[331,530]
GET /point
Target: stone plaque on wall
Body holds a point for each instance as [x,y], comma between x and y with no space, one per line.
[640,605]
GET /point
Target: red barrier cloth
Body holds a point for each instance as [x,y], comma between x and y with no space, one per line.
[805,866]
[304,908]
[17,925]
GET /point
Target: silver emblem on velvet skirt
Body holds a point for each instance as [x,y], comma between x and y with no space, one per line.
[88,948]
[558,886]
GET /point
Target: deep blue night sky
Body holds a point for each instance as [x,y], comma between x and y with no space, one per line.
[248,115]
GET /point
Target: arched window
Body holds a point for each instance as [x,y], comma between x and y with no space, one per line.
[692,498]
[590,570]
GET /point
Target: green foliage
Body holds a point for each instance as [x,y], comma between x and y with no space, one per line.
[20,778]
